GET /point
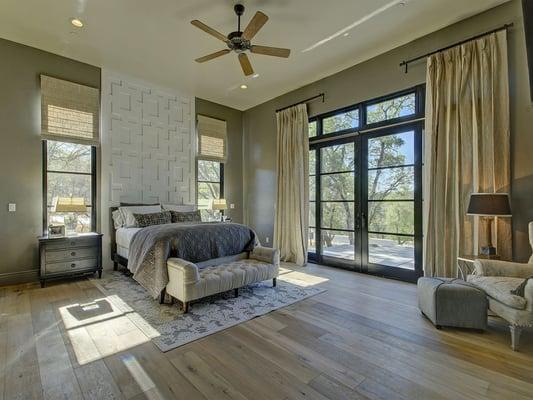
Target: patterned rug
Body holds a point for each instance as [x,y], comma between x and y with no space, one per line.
[169,328]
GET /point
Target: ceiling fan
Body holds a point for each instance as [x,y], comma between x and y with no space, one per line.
[240,41]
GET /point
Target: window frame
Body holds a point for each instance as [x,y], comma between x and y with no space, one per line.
[221,183]
[92,174]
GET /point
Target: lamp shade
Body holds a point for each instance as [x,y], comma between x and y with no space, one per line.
[69,204]
[219,204]
[489,205]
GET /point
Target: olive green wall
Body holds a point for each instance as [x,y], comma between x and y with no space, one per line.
[20,152]
[233,167]
[382,75]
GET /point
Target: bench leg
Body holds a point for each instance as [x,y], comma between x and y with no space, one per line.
[274,282]
[162,296]
[236,291]
[515,336]
[115,266]
[185,307]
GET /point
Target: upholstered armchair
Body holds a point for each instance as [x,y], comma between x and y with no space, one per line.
[498,279]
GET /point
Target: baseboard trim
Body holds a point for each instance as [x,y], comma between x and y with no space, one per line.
[10,278]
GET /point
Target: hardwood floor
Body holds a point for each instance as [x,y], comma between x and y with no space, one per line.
[362,339]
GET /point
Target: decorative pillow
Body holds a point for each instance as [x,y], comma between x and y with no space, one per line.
[189,216]
[159,218]
[118,219]
[127,213]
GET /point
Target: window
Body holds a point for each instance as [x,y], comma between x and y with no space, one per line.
[340,122]
[391,109]
[211,139]
[312,128]
[69,173]
[210,186]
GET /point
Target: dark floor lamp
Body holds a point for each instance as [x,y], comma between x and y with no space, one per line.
[487,206]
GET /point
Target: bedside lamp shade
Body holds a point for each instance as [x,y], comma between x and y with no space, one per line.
[489,205]
[69,204]
[219,204]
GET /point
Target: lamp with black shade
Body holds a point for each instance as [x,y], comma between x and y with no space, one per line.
[487,206]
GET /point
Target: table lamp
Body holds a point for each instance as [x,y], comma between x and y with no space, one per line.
[70,205]
[219,205]
[487,206]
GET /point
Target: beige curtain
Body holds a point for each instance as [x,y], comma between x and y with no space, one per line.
[466,148]
[292,204]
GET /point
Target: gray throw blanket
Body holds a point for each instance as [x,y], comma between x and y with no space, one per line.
[520,290]
[195,242]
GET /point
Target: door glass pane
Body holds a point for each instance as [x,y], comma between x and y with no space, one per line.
[338,244]
[312,213]
[340,122]
[312,184]
[312,128]
[337,215]
[392,251]
[391,150]
[391,184]
[337,158]
[312,162]
[338,186]
[390,109]
[391,217]
[311,241]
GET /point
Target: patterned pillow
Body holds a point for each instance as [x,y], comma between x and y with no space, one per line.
[159,218]
[187,216]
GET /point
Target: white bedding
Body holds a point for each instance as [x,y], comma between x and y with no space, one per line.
[123,239]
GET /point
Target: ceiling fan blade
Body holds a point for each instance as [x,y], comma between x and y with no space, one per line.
[209,30]
[254,25]
[245,64]
[212,55]
[271,51]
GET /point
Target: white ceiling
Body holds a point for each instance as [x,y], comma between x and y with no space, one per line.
[154,40]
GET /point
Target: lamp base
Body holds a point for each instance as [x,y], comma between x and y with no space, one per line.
[488,251]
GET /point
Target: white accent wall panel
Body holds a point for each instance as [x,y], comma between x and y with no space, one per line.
[151,137]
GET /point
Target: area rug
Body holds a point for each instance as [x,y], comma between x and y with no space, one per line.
[168,327]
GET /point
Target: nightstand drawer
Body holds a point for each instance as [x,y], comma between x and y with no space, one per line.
[73,242]
[70,266]
[53,256]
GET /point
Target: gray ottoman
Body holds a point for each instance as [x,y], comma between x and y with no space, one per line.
[452,302]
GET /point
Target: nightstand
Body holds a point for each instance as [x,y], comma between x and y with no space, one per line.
[67,256]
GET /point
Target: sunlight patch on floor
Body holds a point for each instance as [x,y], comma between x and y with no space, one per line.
[295,275]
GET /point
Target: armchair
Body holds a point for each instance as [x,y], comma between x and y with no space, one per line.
[498,279]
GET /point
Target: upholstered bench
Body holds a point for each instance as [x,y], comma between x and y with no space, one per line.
[189,281]
[452,302]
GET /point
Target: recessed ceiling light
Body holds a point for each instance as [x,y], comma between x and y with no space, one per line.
[76,22]
[243,86]
[346,34]
[255,76]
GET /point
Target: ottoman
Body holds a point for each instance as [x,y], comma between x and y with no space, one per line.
[452,302]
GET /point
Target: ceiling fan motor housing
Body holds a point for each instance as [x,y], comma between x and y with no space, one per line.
[235,40]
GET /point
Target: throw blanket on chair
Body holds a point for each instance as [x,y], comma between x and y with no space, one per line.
[195,242]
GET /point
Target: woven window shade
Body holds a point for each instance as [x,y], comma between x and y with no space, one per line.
[212,138]
[70,112]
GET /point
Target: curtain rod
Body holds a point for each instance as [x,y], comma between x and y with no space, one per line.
[303,101]
[407,62]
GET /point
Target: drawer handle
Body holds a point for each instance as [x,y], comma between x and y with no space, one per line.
[72,265]
[73,253]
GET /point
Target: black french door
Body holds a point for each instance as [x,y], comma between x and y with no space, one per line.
[366,202]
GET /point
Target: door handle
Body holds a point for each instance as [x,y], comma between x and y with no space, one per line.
[364,221]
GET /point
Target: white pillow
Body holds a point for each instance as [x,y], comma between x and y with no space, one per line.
[118,219]
[127,213]
[179,207]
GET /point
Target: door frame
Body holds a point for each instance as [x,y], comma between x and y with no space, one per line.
[379,269]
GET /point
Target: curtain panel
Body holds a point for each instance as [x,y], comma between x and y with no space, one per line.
[292,205]
[467,149]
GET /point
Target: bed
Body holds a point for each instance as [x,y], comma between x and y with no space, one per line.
[144,251]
